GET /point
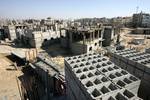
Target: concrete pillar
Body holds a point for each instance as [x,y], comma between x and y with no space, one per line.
[93,35]
[98,34]
[60,32]
[70,37]
[90,37]
[84,38]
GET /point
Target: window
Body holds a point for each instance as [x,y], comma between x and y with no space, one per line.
[45,40]
[95,44]
[90,49]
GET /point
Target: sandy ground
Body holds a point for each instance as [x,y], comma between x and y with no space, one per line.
[8,76]
[126,37]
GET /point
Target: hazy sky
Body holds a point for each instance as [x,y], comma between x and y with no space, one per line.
[70,8]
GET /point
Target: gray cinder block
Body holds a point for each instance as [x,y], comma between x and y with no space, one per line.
[94,77]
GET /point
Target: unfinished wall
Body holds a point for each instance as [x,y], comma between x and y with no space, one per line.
[39,38]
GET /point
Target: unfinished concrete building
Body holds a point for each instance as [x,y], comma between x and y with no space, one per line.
[14,32]
[10,30]
[94,77]
[82,40]
[35,33]
[20,31]
[141,20]
[137,63]
[42,36]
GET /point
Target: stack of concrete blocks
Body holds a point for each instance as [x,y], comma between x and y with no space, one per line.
[94,77]
[137,63]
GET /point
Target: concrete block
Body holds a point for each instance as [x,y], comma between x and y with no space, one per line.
[123,65]
[140,66]
[124,94]
[144,90]
[139,73]
[147,77]
[130,82]
[102,91]
[117,74]
[70,94]
[130,69]
[74,86]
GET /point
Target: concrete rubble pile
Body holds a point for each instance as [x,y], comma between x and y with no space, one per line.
[138,64]
[94,77]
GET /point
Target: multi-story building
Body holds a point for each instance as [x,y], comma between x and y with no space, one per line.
[141,20]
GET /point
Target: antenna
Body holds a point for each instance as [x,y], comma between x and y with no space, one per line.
[137,9]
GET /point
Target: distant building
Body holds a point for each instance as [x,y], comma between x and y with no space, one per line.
[121,21]
[141,20]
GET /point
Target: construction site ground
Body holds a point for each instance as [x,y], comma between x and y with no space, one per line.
[127,37]
[12,80]
[9,84]
[57,54]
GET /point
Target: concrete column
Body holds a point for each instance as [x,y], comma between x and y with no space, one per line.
[90,36]
[84,38]
[93,35]
[60,32]
[98,34]
[70,37]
